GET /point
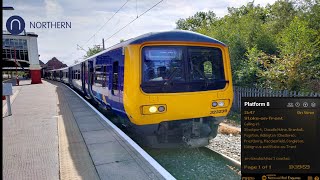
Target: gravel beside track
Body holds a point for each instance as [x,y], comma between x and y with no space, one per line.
[229,145]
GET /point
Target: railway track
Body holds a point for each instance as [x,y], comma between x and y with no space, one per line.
[198,163]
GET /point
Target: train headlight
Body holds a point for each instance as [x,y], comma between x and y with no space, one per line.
[214,104]
[221,103]
[152,109]
[161,108]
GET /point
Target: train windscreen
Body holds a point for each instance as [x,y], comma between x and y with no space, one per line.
[169,69]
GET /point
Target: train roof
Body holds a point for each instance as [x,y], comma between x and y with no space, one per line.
[175,35]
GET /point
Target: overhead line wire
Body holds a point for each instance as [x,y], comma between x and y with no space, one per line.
[102,26]
[106,22]
[133,20]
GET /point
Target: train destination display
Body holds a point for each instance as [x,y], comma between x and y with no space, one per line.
[280,138]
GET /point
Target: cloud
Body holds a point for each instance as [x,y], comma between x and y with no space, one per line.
[53,9]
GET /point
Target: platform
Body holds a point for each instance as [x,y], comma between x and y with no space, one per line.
[54,134]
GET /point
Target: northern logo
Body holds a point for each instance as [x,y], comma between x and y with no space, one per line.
[15,25]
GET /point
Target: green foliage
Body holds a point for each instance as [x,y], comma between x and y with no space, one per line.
[197,22]
[277,46]
[92,51]
[297,39]
[235,117]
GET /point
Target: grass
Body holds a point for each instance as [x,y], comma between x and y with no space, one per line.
[234,118]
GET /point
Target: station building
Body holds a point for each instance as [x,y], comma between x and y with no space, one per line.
[22,51]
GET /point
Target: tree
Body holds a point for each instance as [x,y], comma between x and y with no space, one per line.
[280,14]
[92,51]
[197,22]
[276,46]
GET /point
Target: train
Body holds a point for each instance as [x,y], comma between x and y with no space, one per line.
[170,89]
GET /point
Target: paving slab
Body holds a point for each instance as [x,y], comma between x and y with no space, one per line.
[122,170]
[98,137]
[108,153]
[89,126]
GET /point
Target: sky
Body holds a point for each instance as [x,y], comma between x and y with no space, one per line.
[88,16]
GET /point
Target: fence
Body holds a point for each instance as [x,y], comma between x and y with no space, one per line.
[252,92]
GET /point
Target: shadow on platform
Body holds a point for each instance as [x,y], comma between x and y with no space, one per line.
[74,157]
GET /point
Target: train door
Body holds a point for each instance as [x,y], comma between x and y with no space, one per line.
[70,76]
[115,79]
[83,82]
[90,78]
[115,90]
[61,75]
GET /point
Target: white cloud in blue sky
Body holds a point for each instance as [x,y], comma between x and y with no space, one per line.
[87,16]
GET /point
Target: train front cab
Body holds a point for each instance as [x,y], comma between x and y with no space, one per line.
[191,109]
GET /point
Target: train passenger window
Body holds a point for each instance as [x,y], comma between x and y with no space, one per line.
[98,73]
[115,82]
[104,76]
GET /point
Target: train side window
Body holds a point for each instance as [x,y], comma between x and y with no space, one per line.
[98,80]
[104,74]
[115,76]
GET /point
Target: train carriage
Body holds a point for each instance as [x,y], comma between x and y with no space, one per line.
[171,88]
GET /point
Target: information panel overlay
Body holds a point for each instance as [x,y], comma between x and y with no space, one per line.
[280,138]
